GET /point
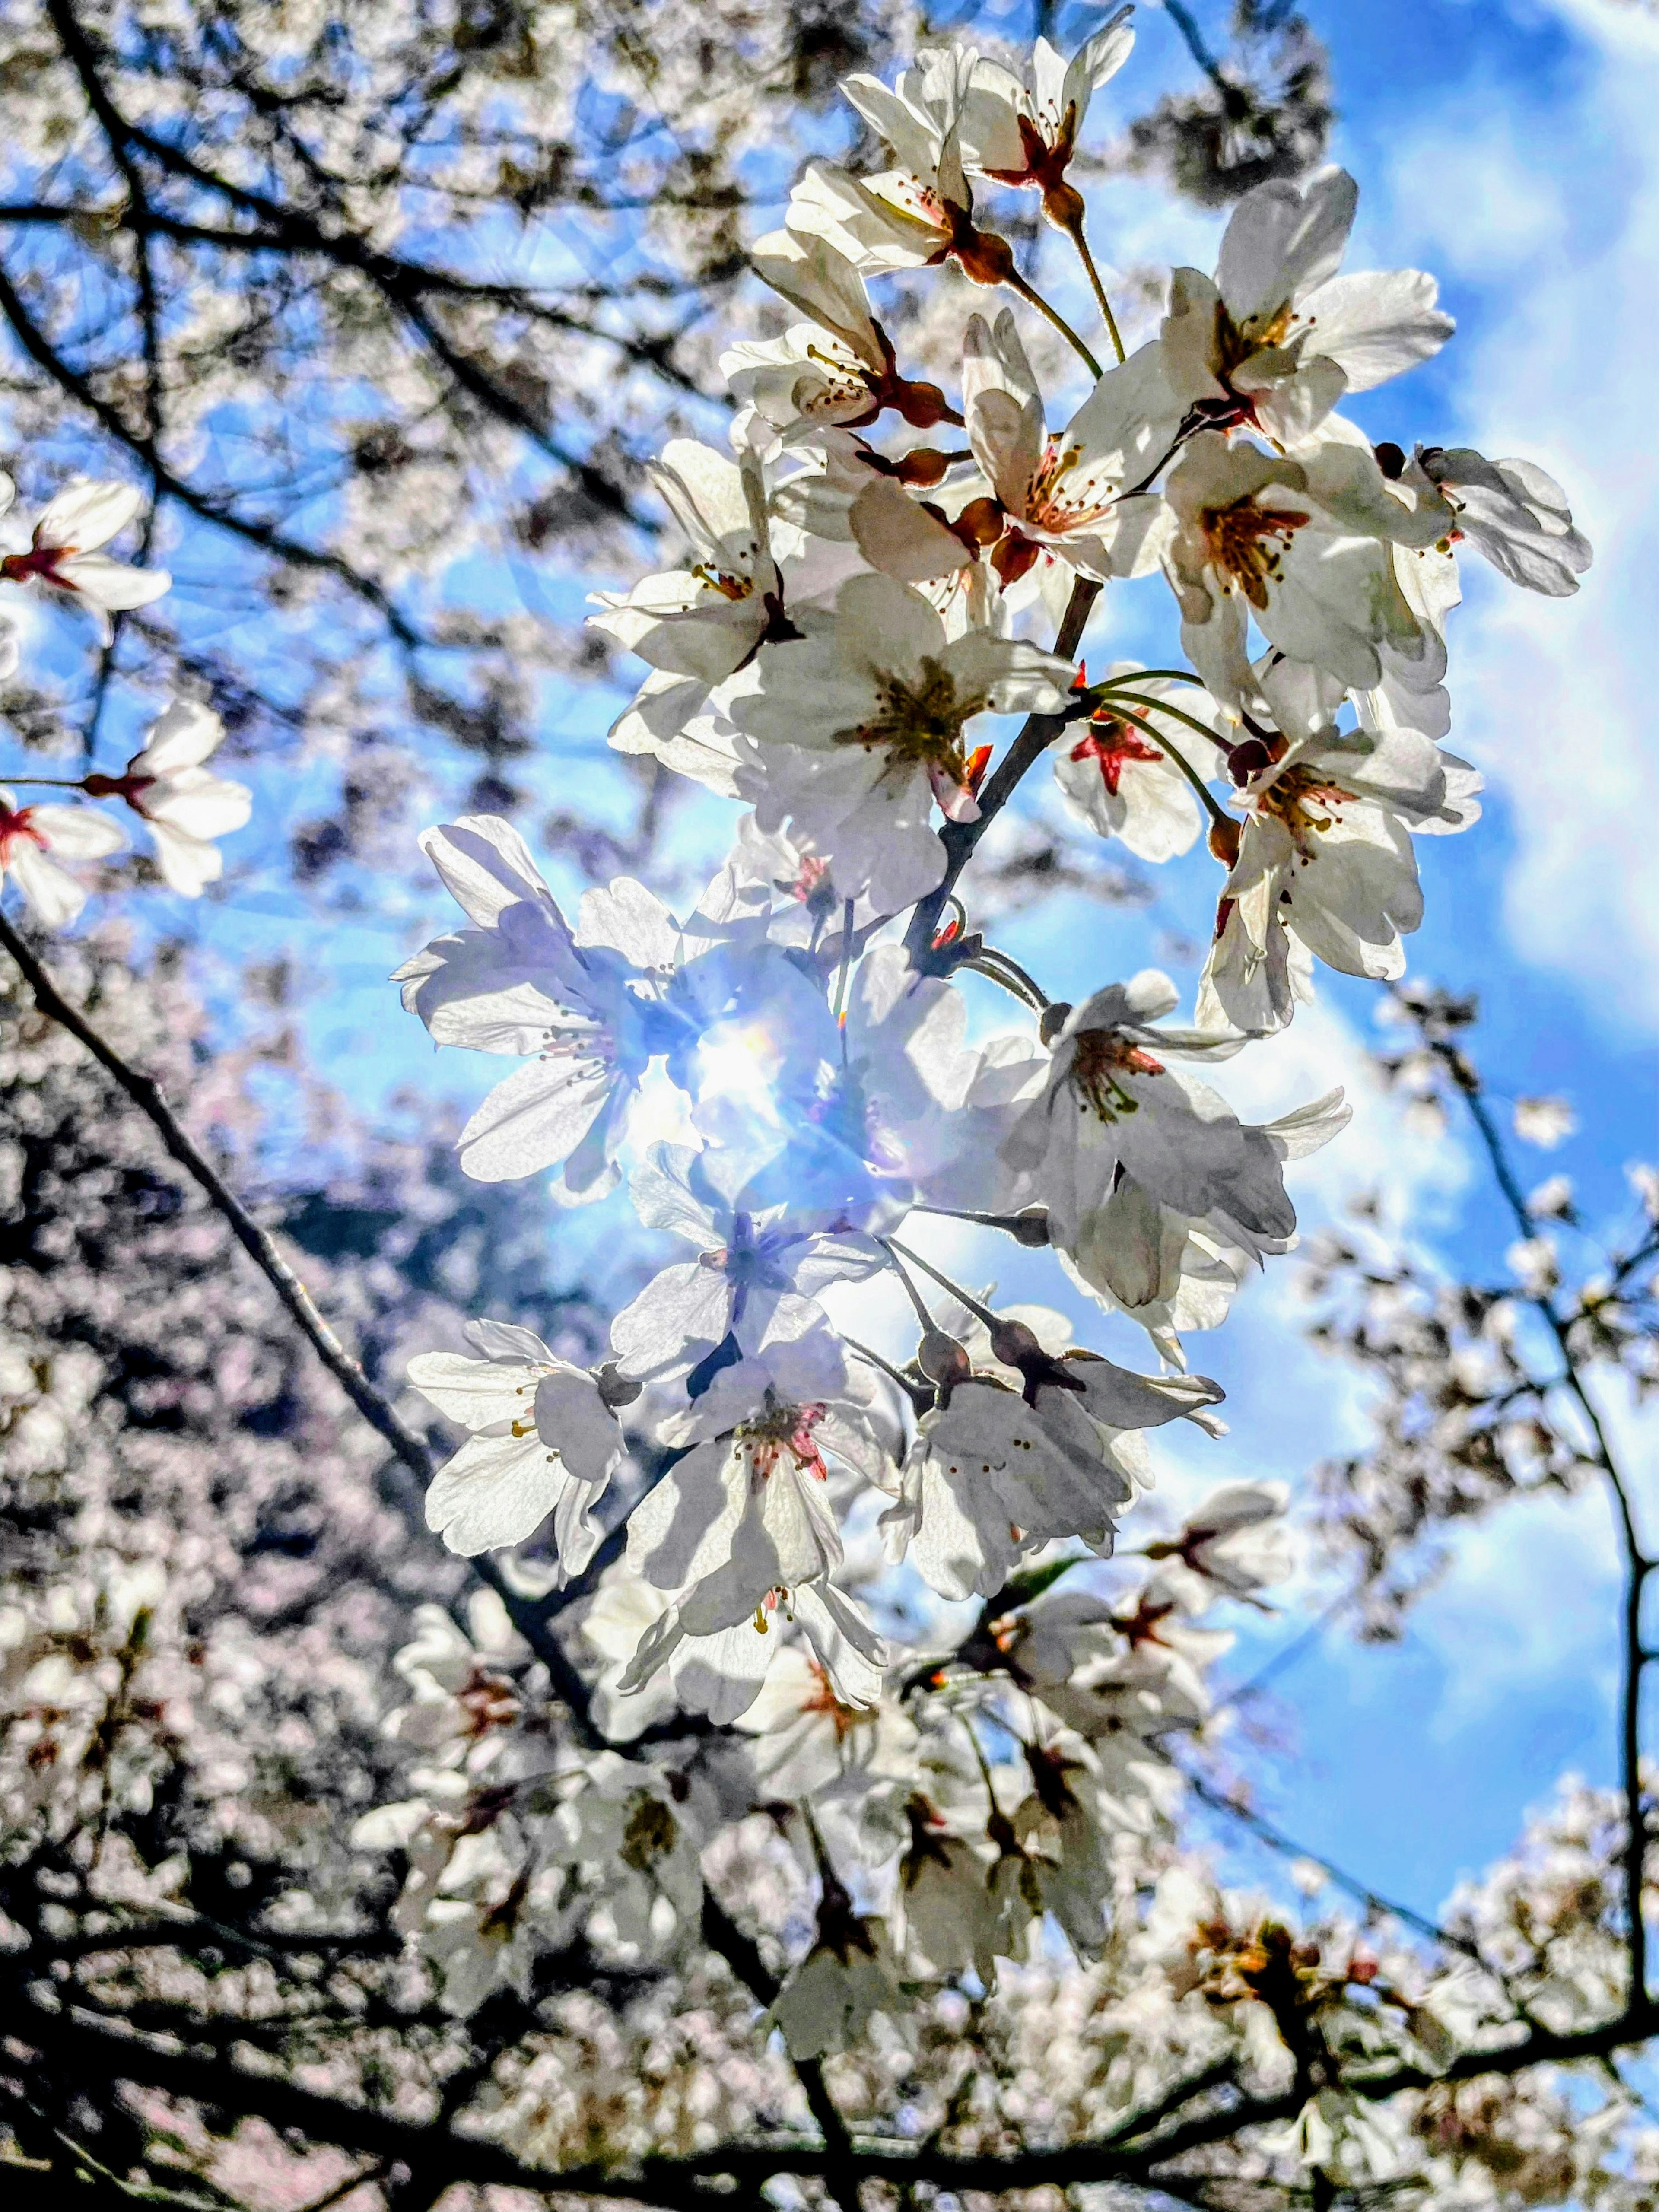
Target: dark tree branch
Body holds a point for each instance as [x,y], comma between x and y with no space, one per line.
[1137,2152]
[528,1617]
[264,535]
[401,284]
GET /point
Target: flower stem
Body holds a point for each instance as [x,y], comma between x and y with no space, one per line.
[910,1290]
[1030,1228]
[1163,707]
[1212,807]
[1016,282]
[894,1375]
[1143,675]
[1074,232]
[998,967]
[841,974]
[965,1297]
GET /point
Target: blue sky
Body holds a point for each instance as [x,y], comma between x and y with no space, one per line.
[1509,146]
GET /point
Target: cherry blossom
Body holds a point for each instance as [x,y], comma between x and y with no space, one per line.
[919,211]
[465,1702]
[849,1975]
[1075,493]
[810,1747]
[1167,1270]
[635,1844]
[183,803]
[544,1440]
[743,1522]
[1326,858]
[33,839]
[697,624]
[1114,1108]
[1234,1540]
[63,554]
[838,367]
[1510,512]
[1025,131]
[588,1009]
[1278,338]
[952,1921]
[1132,779]
[757,1271]
[1296,543]
[856,732]
[996,1473]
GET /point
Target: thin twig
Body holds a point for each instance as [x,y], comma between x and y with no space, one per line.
[1638,1564]
[1037,733]
[147,1096]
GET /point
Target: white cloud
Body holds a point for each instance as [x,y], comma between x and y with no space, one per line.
[1553,698]
[1529,1603]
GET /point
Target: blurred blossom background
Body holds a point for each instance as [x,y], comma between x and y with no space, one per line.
[384,499]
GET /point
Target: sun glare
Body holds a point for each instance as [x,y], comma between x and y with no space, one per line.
[740,1060]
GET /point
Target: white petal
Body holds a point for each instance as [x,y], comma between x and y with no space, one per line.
[663,1200]
[182,737]
[77,833]
[1283,240]
[1375,324]
[704,488]
[898,536]
[495,1490]
[680,1315]
[112,586]
[506,1341]
[573,1417]
[188,864]
[882,625]
[88,513]
[479,1393]
[485,866]
[851,1653]
[534,1119]
[814,275]
[198,805]
[51,891]
[631,920]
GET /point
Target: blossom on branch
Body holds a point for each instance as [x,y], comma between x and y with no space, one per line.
[1075,495]
[757,1271]
[854,733]
[183,803]
[1278,338]
[920,211]
[1325,857]
[1024,130]
[65,556]
[544,1440]
[32,840]
[1134,782]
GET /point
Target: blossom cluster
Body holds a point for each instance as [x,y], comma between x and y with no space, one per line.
[167,783]
[855,596]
